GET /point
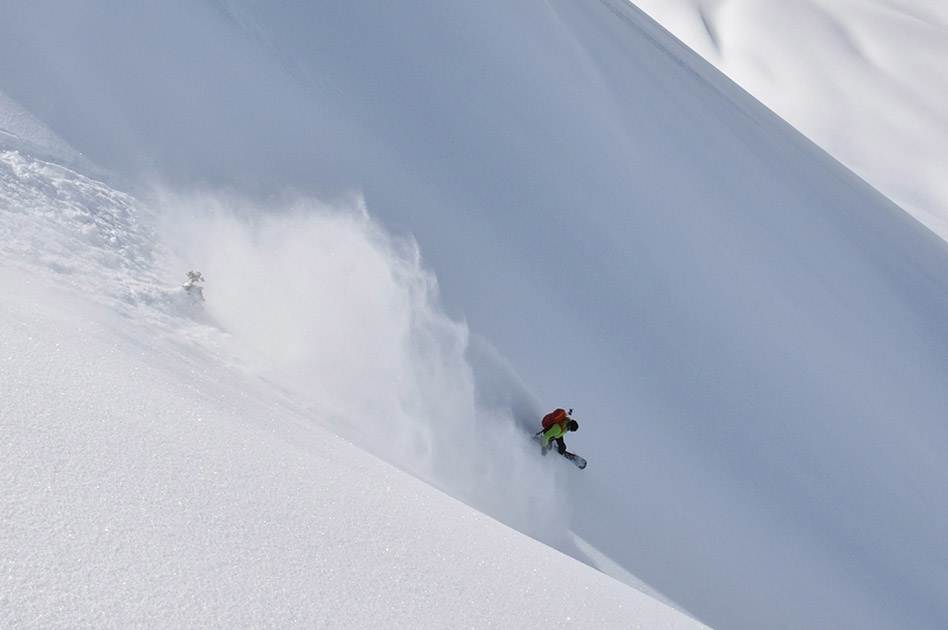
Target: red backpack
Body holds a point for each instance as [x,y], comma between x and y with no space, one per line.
[555,417]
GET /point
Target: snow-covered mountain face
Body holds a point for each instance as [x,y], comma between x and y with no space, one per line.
[150,482]
[865,80]
[751,336]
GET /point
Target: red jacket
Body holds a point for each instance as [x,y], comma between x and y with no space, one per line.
[555,425]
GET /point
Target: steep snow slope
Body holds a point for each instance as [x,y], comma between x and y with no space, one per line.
[751,336]
[18,126]
[865,80]
[147,483]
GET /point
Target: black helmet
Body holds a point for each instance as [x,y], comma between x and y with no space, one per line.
[573,425]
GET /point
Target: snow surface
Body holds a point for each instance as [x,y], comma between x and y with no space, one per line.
[752,336]
[866,80]
[147,483]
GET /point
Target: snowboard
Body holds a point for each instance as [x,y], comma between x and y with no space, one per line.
[573,457]
[576,459]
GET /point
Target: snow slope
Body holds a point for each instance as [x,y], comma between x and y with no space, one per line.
[865,80]
[19,127]
[147,483]
[751,335]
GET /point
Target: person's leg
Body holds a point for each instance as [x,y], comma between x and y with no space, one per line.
[544,442]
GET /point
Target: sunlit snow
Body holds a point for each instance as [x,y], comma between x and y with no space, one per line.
[867,80]
[420,228]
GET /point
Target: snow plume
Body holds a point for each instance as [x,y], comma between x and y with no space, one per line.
[324,302]
[317,299]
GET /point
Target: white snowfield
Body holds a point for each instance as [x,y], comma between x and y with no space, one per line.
[147,483]
[867,80]
[421,226]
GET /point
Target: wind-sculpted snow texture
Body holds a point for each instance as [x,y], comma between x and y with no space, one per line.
[865,80]
[752,337]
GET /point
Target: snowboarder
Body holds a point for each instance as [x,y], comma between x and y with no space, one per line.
[556,424]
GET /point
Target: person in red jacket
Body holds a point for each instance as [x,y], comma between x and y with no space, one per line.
[555,425]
